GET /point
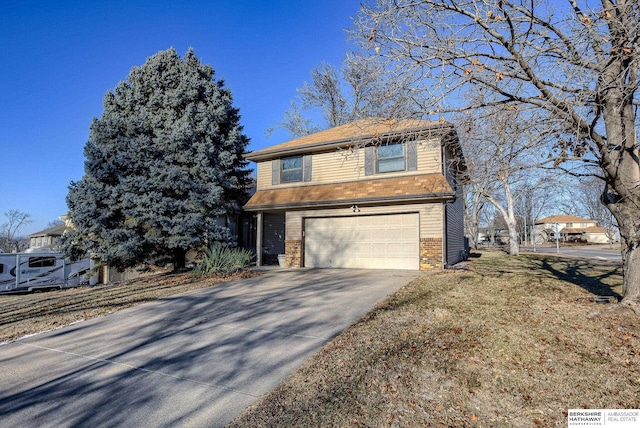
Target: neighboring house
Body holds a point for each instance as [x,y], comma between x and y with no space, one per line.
[47,238]
[370,194]
[571,229]
[490,236]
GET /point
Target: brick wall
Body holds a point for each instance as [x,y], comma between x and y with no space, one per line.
[431,254]
[293,253]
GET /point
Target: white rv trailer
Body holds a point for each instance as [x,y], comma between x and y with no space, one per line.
[41,270]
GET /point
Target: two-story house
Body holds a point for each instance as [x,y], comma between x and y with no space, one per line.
[369,194]
[570,228]
[48,238]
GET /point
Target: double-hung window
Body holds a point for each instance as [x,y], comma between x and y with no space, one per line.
[390,158]
[291,169]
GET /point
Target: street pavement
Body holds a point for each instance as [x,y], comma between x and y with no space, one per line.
[196,359]
[591,252]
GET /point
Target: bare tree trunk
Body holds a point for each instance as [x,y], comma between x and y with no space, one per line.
[474,206]
[631,271]
[179,259]
[514,237]
[622,172]
[630,249]
[509,217]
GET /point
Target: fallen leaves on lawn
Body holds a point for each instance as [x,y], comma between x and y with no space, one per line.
[24,314]
[508,342]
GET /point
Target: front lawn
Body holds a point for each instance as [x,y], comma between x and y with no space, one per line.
[24,314]
[507,342]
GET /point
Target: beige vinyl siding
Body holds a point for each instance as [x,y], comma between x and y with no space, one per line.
[263,175]
[341,166]
[429,156]
[431,217]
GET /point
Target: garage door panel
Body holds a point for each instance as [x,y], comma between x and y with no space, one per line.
[396,249]
[380,220]
[398,235]
[382,241]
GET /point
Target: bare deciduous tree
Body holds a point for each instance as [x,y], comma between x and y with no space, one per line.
[360,89]
[584,199]
[56,222]
[574,61]
[474,205]
[9,238]
[502,151]
[535,198]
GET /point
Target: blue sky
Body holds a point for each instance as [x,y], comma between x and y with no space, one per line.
[60,58]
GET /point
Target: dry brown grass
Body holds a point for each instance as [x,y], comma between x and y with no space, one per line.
[24,314]
[509,342]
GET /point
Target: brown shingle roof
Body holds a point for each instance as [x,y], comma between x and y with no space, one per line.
[359,131]
[56,230]
[397,189]
[562,219]
[592,229]
[573,230]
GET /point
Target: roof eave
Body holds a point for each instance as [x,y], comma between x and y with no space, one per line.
[421,198]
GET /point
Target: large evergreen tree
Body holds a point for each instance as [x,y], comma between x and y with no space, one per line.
[162,164]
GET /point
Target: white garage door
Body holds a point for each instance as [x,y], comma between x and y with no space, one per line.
[370,242]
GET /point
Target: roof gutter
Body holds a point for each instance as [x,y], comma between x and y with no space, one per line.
[431,197]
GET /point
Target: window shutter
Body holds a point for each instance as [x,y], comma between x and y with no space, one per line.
[275,171]
[369,160]
[306,168]
[412,156]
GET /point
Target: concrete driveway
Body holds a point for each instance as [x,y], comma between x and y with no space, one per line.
[196,359]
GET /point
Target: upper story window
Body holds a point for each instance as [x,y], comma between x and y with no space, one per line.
[390,158]
[291,169]
[569,225]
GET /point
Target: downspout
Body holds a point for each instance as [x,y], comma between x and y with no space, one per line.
[444,234]
[259,238]
[444,206]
